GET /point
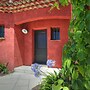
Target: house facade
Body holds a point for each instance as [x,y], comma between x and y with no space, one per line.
[31,33]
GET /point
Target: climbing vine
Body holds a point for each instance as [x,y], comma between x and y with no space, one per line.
[74,74]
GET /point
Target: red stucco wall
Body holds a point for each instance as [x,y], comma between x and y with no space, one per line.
[18,49]
[7,48]
[54,47]
[43,13]
[18,46]
[7,45]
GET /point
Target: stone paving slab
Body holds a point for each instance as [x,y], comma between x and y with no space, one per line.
[21,79]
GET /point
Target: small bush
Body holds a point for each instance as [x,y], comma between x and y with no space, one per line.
[3,69]
[71,77]
[50,80]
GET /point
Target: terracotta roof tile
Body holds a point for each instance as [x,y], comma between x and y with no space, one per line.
[42,2]
[50,4]
[45,5]
[32,4]
[36,3]
[34,7]
[23,5]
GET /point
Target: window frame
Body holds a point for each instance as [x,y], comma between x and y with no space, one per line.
[3,36]
[51,30]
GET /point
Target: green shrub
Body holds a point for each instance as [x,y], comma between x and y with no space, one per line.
[71,77]
[3,69]
[75,73]
[49,81]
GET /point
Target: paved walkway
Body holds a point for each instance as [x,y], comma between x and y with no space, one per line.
[22,79]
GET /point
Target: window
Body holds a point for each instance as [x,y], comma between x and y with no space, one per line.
[55,34]
[1,31]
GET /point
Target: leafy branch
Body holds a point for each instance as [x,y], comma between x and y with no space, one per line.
[74,74]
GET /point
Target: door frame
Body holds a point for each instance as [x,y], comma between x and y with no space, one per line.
[38,29]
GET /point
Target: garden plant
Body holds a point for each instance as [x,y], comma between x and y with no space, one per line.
[3,69]
[75,71]
[36,68]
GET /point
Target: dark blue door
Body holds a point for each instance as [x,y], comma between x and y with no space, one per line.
[40,46]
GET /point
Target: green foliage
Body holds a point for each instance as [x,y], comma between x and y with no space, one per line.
[88,2]
[64,2]
[3,69]
[56,5]
[74,74]
[78,47]
[48,81]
